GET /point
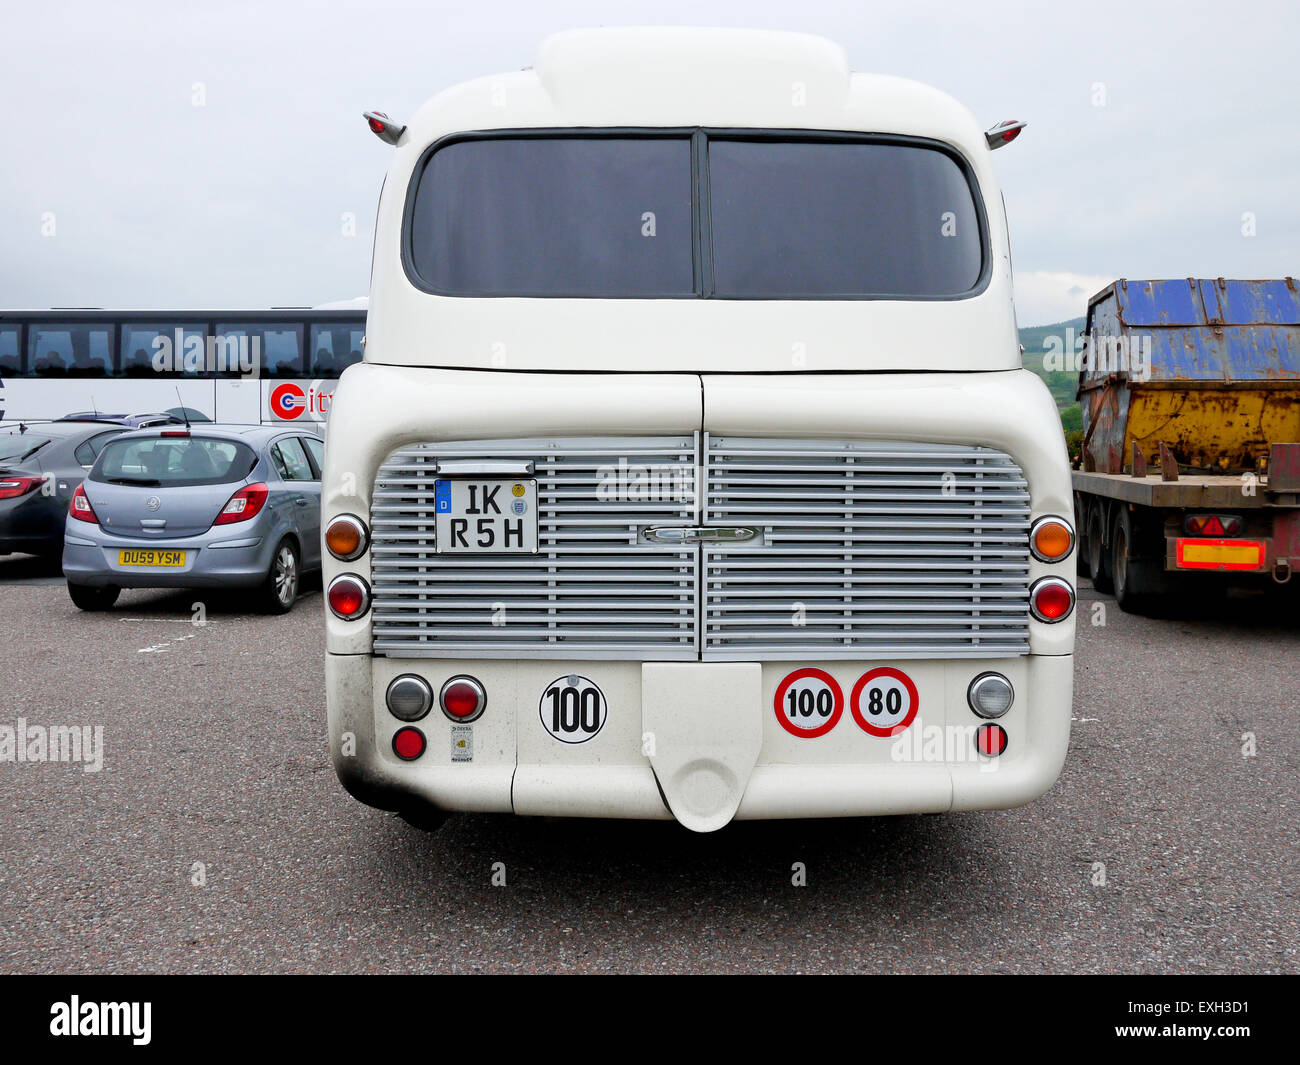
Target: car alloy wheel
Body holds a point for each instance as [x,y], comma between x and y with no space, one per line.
[286,575]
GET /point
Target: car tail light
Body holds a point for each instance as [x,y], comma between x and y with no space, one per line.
[347,537]
[1051,599]
[175,432]
[990,740]
[408,743]
[13,487]
[245,504]
[990,695]
[1051,539]
[81,508]
[462,698]
[348,596]
[1212,524]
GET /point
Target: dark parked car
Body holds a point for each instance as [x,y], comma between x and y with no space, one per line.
[212,506]
[40,468]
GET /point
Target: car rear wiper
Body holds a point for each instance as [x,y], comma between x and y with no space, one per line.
[144,482]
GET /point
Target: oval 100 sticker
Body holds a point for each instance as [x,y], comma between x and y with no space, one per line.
[884,701]
[809,702]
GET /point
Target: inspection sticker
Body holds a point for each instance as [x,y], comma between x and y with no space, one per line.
[462,743]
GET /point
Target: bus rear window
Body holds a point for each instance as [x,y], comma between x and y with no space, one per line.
[555,216]
[821,219]
[746,216]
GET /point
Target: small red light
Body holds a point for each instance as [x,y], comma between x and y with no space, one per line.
[408,743]
[13,487]
[245,504]
[81,508]
[1051,599]
[1011,134]
[175,432]
[990,740]
[462,698]
[348,596]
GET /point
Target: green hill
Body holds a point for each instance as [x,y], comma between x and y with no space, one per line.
[1037,342]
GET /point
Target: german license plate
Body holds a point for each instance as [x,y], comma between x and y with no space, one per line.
[486,515]
[151,558]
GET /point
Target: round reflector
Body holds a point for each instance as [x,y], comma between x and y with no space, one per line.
[409,697]
[991,740]
[990,695]
[462,698]
[1051,539]
[348,596]
[1051,599]
[346,537]
[408,743]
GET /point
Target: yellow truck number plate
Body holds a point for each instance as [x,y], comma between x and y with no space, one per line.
[151,558]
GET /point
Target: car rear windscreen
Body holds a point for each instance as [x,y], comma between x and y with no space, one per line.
[174,462]
[14,447]
[742,216]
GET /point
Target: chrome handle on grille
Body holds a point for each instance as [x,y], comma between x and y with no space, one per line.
[478,468]
[698,534]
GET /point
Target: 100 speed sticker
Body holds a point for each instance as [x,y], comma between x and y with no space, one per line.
[809,703]
[573,709]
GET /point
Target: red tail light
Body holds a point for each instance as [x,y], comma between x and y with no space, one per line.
[408,743]
[462,698]
[348,596]
[81,508]
[1212,524]
[1051,599]
[12,487]
[990,740]
[244,504]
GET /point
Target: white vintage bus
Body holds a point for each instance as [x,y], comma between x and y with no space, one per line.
[691,471]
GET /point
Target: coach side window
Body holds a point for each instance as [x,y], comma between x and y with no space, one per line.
[70,349]
[10,363]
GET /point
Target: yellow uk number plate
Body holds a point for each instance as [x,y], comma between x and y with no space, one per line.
[151,558]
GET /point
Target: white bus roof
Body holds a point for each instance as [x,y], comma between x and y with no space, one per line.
[677,76]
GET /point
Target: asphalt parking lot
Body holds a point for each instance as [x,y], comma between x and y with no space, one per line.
[215,837]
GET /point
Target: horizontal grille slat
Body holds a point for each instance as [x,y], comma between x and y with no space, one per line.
[593,590]
[868,550]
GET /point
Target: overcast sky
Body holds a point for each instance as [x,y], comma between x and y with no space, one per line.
[204,154]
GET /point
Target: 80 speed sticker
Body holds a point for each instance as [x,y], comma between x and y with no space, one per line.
[809,703]
[573,709]
[884,701]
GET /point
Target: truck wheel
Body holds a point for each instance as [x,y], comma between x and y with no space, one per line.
[1140,583]
[280,589]
[88,598]
[1098,563]
[1081,549]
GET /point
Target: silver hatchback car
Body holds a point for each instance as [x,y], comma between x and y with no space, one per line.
[208,506]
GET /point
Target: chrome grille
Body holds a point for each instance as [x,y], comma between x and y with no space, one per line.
[867,549]
[592,591]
